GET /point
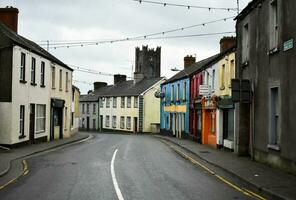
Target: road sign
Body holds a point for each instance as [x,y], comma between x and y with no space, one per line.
[203,90]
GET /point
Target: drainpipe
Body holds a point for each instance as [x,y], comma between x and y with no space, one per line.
[253,120]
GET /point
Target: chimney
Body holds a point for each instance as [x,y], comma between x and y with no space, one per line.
[119,78]
[98,85]
[189,60]
[9,16]
[226,43]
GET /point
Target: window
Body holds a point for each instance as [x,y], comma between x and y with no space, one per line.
[94,108]
[222,77]
[42,74]
[172,93]
[61,80]
[22,121]
[208,78]
[23,67]
[164,91]
[114,102]
[122,122]
[107,102]
[232,72]
[40,118]
[87,108]
[101,102]
[128,122]
[33,71]
[136,102]
[274,129]
[273,25]
[83,120]
[67,81]
[213,80]
[94,124]
[245,43]
[107,121]
[178,91]
[83,108]
[184,91]
[213,122]
[72,119]
[129,102]
[53,77]
[114,121]
[122,104]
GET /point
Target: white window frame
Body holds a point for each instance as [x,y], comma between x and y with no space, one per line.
[128,122]
[136,102]
[107,122]
[122,102]
[41,118]
[114,102]
[23,67]
[114,121]
[122,122]
[129,102]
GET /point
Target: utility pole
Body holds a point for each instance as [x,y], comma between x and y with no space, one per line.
[237,2]
[47,45]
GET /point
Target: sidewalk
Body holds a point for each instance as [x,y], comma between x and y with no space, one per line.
[7,156]
[269,180]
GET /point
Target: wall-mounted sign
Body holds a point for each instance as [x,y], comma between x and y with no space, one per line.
[288,45]
[204,90]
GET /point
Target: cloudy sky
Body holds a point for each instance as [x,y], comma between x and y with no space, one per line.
[97,20]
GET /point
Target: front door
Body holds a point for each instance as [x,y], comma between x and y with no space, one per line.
[32,122]
[135,124]
[101,122]
[87,123]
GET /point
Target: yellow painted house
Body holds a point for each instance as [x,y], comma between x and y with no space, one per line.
[225,109]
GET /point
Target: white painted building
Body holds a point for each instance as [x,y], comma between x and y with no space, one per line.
[36,91]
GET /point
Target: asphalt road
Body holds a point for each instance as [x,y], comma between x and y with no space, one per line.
[144,167]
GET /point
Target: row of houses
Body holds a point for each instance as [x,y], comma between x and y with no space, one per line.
[37,100]
[127,105]
[243,98]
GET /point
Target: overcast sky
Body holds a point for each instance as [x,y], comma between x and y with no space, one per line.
[115,19]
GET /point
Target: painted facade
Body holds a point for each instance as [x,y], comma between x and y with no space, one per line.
[175,108]
[75,113]
[89,109]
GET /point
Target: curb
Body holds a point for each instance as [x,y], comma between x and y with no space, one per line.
[4,172]
[259,188]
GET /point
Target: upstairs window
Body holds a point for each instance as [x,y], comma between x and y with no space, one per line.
[107,102]
[172,93]
[67,81]
[178,91]
[87,108]
[53,77]
[136,102]
[164,91]
[245,43]
[42,74]
[23,67]
[101,103]
[129,102]
[232,72]
[184,91]
[273,24]
[114,102]
[33,71]
[61,80]
[83,108]
[122,104]
[213,79]
[94,108]
[222,77]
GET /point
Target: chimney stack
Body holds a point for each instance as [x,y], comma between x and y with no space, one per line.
[227,43]
[189,60]
[9,16]
[98,85]
[119,78]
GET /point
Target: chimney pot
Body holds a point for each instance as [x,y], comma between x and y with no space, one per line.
[189,60]
[227,43]
[98,85]
[119,78]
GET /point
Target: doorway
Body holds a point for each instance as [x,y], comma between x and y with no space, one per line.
[32,123]
[135,124]
[87,123]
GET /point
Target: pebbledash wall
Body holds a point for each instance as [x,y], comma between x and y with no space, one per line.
[26,94]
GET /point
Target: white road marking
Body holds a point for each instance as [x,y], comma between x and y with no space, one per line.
[117,189]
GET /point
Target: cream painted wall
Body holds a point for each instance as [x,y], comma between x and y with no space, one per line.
[92,115]
[25,94]
[228,74]
[118,112]
[151,107]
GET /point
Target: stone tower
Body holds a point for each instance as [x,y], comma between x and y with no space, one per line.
[147,63]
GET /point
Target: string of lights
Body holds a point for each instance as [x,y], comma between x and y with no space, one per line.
[186,6]
[152,38]
[68,43]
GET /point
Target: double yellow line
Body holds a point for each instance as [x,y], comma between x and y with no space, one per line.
[240,189]
[24,173]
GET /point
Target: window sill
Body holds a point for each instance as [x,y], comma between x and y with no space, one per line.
[33,84]
[23,81]
[43,86]
[61,89]
[274,147]
[22,136]
[53,88]
[39,132]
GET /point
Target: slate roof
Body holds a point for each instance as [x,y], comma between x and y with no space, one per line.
[247,9]
[125,88]
[198,66]
[28,44]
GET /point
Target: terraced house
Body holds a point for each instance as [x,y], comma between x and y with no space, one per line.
[36,88]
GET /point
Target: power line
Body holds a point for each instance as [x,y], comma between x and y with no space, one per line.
[146,36]
[84,82]
[186,6]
